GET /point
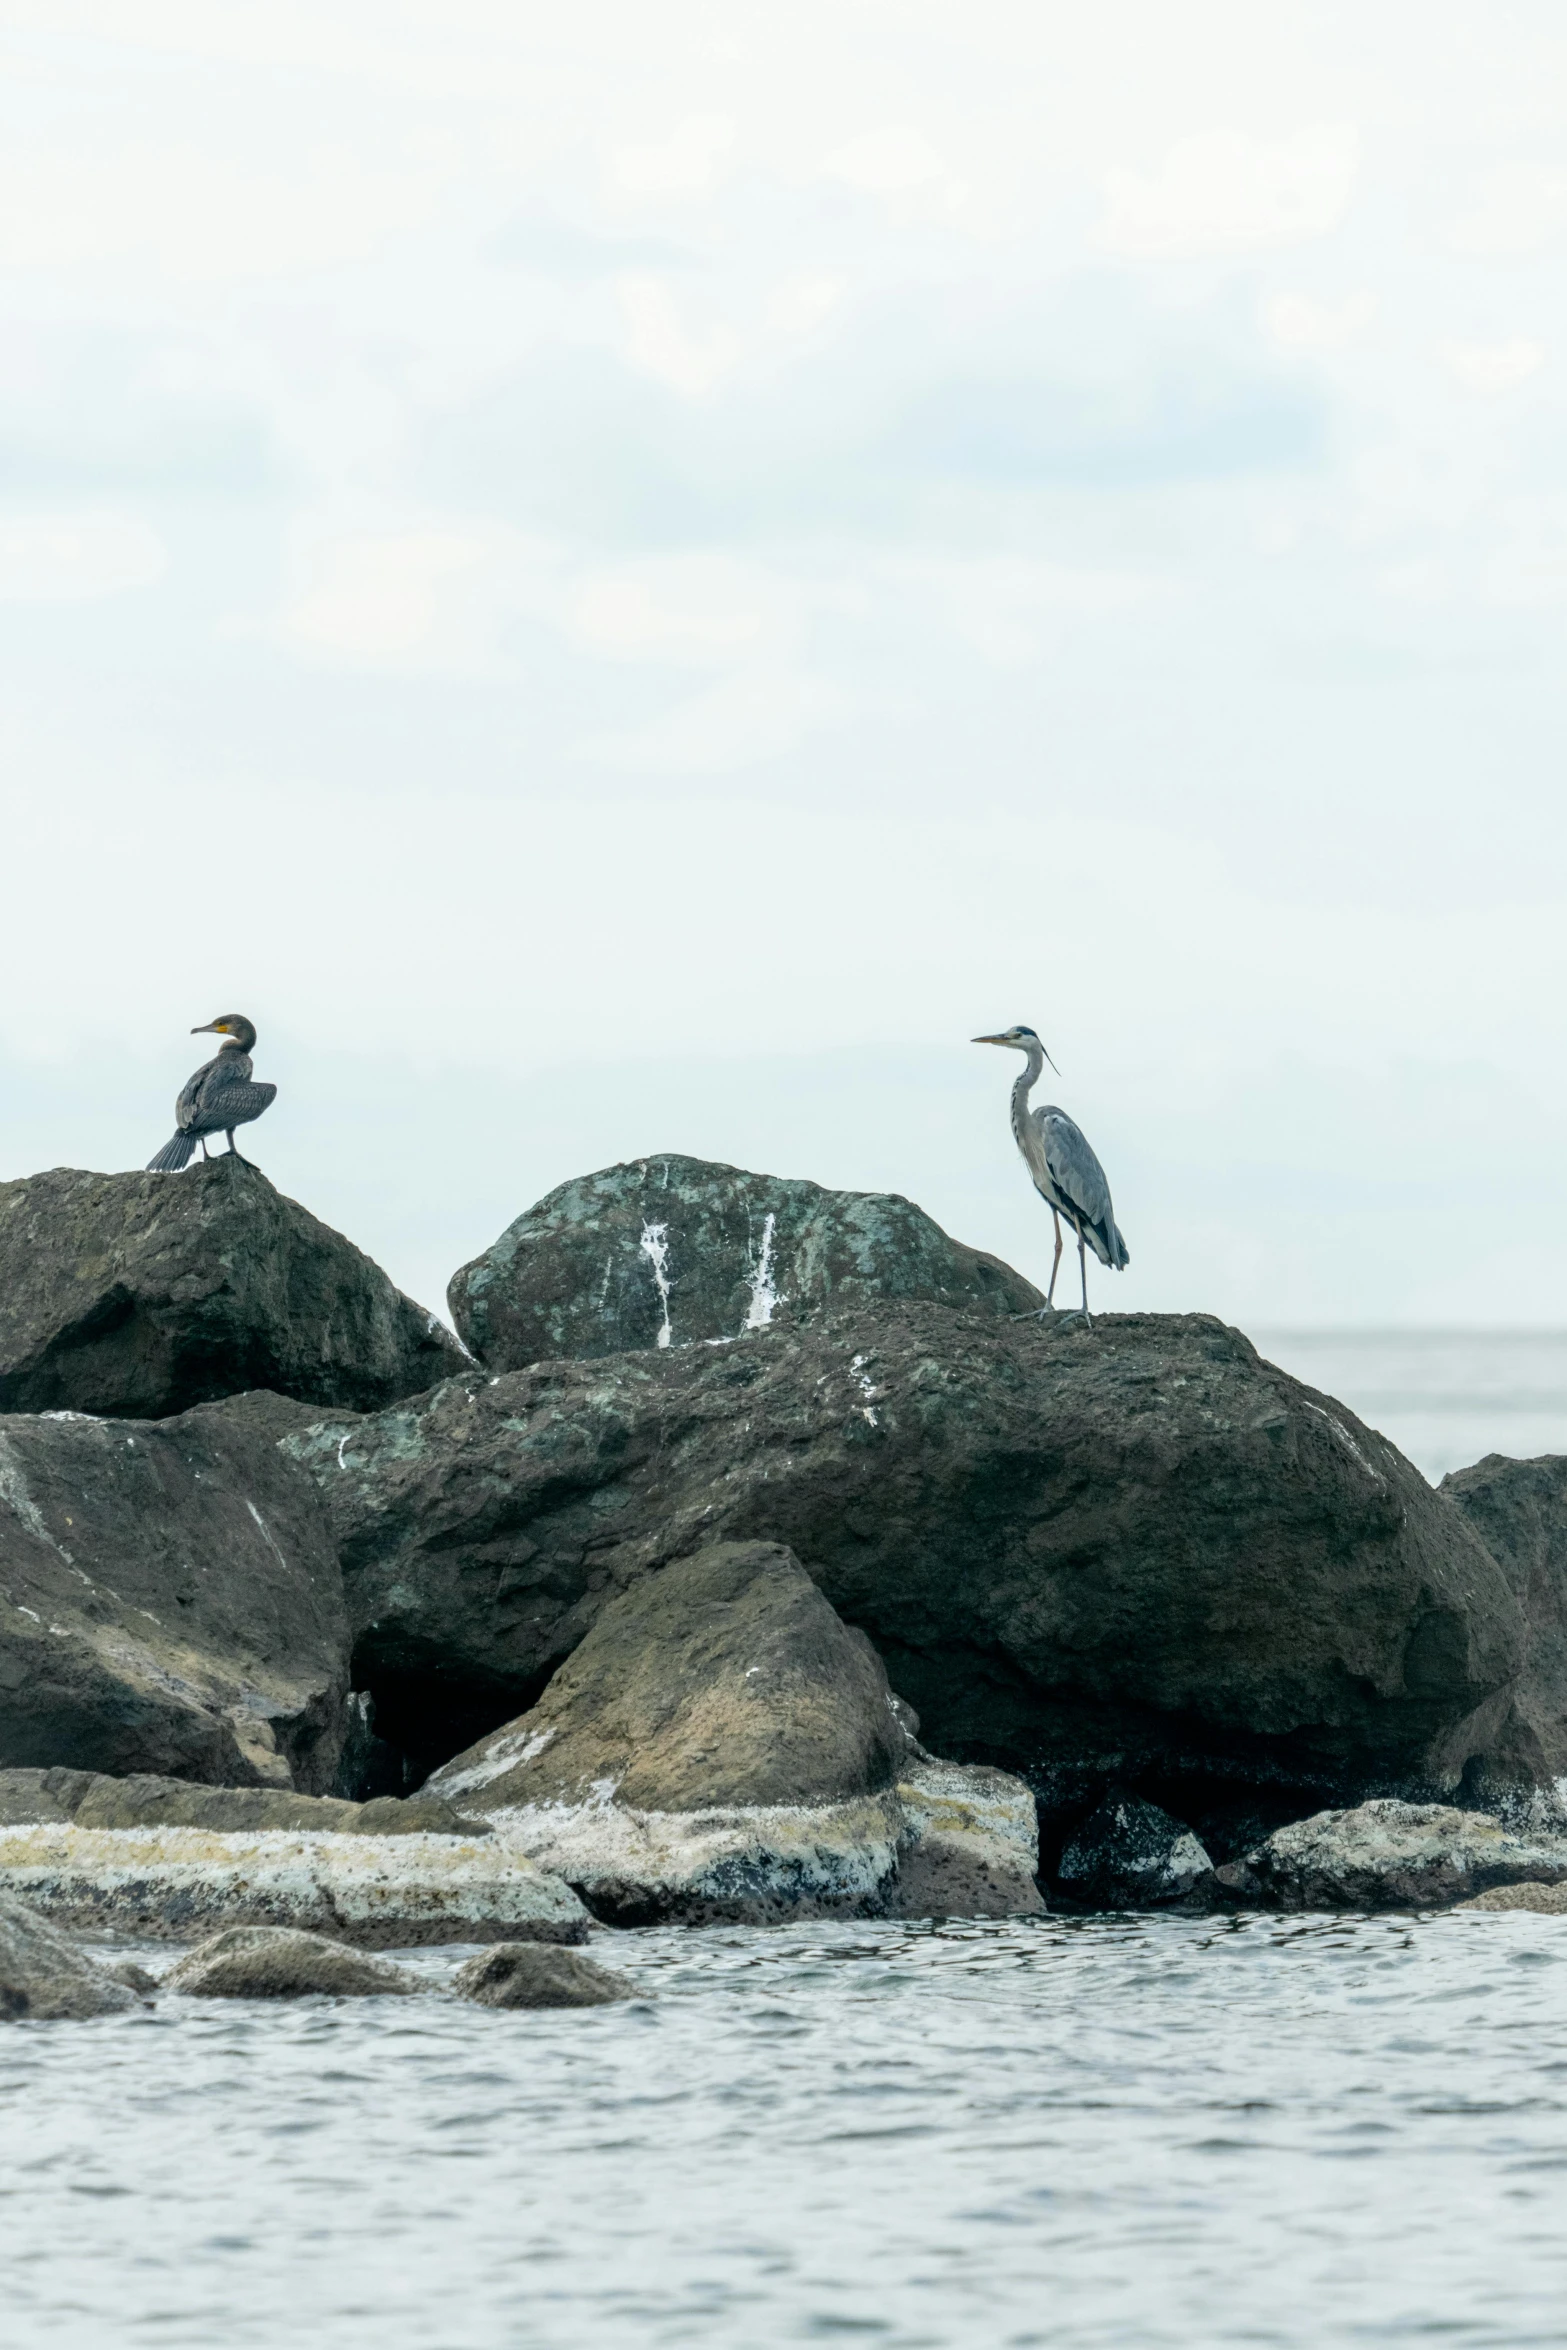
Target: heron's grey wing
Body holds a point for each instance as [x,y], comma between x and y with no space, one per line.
[1074,1169]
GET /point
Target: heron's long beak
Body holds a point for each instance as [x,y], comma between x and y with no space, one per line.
[990,1040]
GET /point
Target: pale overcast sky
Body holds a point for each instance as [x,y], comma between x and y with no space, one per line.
[626,577]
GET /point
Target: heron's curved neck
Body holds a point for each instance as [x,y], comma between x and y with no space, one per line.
[1026,1082]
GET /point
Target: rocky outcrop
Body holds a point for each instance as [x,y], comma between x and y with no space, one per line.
[137,1296]
[1391,1855]
[44,1978]
[1132,1555]
[176,1884]
[721,1746]
[1545,1900]
[280,1962]
[1131,1855]
[1519,1511]
[33,1798]
[670,1251]
[170,1600]
[525,1974]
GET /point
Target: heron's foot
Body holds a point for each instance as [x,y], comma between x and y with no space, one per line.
[1034,1314]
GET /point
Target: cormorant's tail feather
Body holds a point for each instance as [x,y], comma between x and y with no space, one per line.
[173,1155]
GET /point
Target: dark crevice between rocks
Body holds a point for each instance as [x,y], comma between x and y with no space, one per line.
[413,1713]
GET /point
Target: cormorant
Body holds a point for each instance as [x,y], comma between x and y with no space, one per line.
[221,1096]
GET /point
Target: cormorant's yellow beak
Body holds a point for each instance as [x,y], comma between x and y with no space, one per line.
[211,1028]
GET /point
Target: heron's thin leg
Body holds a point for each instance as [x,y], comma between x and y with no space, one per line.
[1050,1293]
[1082,1258]
[206,1154]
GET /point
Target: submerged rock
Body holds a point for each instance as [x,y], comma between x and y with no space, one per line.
[1390,1855]
[1132,1554]
[281,1962]
[1131,1855]
[378,1892]
[136,1296]
[44,1978]
[170,1600]
[669,1251]
[526,1974]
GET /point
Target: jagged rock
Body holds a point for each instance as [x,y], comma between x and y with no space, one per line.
[281,1962]
[970,1842]
[44,1978]
[667,1251]
[1131,1855]
[170,1600]
[1127,1555]
[379,1892]
[1545,1900]
[1390,1855]
[1519,1511]
[719,1745]
[33,1798]
[526,1974]
[136,1296]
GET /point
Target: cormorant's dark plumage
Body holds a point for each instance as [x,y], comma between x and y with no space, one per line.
[223,1094]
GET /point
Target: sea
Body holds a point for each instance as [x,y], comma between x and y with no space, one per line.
[1091,2133]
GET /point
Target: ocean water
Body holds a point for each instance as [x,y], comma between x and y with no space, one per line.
[1444,1397]
[1092,2134]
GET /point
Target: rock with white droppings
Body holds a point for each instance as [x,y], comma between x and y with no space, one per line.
[970,1842]
[526,1974]
[281,1962]
[672,1251]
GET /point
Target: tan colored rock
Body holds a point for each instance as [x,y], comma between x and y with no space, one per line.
[1391,1855]
[527,1974]
[281,1962]
[1547,1900]
[970,1843]
[44,1978]
[374,1891]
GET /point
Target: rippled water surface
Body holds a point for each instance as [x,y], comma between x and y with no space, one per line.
[1069,2132]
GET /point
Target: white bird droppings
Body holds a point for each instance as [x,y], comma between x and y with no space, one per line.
[654,1245]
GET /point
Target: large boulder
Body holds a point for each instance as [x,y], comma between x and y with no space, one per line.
[1519,1511]
[170,1601]
[44,1978]
[668,1251]
[135,1296]
[1128,1554]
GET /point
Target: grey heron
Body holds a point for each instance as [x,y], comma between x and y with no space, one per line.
[221,1095]
[1065,1171]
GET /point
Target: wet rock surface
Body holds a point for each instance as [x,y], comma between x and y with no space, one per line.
[1131,1855]
[670,1251]
[170,1600]
[1544,1900]
[1128,1555]
[280,1962]
[1519,1511]
[137,1296]
[526,1974]
[1391,1855]
[969,1844]
[44,1978]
